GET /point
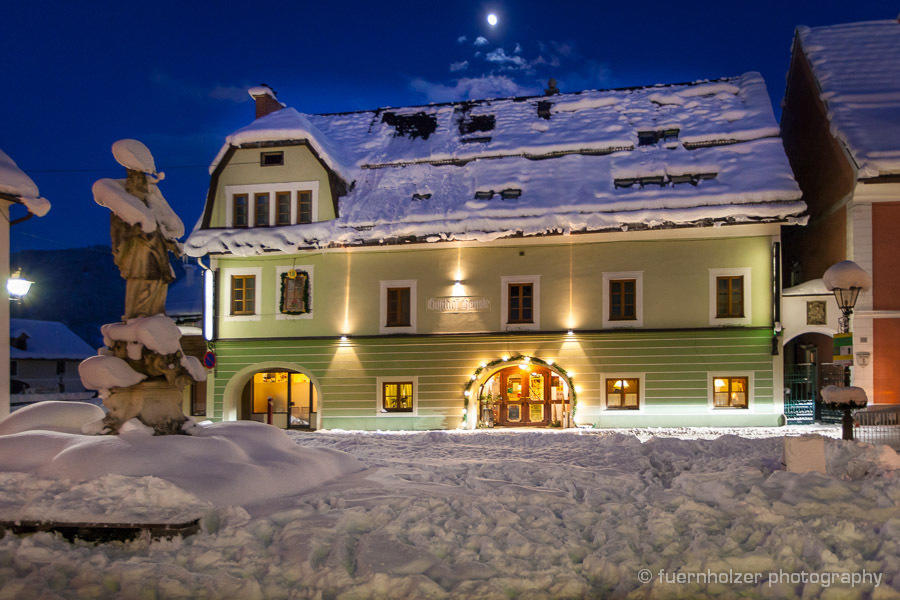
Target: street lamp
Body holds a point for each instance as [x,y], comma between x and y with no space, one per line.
[17,286]
[846,280]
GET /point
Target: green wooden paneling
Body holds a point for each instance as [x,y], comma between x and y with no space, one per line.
[676,366]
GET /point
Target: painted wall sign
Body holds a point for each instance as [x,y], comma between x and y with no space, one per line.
[459,304]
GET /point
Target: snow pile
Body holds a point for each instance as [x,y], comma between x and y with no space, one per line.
[104,373]
[851,396]
[15,182]
[857,67]
[134,155]
[845,275]
[223,464]
[64,417]
[158,333]
[155,213]
[497,515]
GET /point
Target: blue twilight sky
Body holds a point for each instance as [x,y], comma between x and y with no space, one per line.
[78,76]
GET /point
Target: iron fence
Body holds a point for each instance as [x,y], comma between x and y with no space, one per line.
[878,425]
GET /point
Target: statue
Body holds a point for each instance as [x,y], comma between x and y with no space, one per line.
[142,370]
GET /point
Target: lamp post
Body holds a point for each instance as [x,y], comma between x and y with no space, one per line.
[846,280]
[17,286]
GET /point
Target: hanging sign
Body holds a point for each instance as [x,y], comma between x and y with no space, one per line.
[843,349]
[209,359]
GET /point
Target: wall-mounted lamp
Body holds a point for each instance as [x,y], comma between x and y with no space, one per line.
[17,286]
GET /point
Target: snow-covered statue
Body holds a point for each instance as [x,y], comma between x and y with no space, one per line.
[142,370]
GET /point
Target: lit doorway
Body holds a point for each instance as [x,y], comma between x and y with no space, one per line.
[526,395]
[290,397]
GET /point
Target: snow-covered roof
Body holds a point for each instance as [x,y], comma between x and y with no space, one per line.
[47,340]
[14,182]
[813,287]
[857,66]
[667,155]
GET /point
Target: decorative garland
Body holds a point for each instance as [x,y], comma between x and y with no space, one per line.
[284,278]
[515,359]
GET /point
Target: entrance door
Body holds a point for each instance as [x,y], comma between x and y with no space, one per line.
[524,396]
[291,397]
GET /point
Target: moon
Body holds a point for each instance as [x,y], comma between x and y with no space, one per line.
[492,19]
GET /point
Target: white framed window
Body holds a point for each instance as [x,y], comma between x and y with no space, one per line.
[236,282]
[301,204]
[623,391]
[397,396]
[730,390]
[623,299]
[287,301]
[397,311]
[729,296]
[520,302]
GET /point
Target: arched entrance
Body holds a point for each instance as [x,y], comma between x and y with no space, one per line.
[292,393]
[522,392]
[808,368]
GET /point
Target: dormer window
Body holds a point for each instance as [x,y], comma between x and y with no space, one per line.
[421,196]
[484,194]
[651,137]
[510,193]
[271,159]
[473,123]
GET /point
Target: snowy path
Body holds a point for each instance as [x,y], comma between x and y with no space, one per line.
[510,515]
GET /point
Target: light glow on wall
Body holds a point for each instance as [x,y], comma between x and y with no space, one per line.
[346,328]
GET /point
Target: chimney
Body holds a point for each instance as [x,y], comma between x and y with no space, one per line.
[266,101]
[551,88]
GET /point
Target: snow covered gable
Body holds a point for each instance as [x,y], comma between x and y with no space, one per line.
[663,156]
[857,68]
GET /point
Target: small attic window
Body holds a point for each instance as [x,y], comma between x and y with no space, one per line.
[484,194]
[670,135]
[473,123]
[624,182]
[271,159]
[510,193]
[421,196]
[417,125]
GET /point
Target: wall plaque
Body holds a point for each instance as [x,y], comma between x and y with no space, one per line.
[459,304]
[815,312]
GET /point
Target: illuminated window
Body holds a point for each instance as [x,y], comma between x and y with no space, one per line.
[397,396]
[243,294]
[261,210]
[730,297]
[520,303]
[730,392]
[304,206]
[622,300]
[623,393]
[282,208]
[239,210]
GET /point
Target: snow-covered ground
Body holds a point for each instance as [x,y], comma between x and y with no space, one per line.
[524,514]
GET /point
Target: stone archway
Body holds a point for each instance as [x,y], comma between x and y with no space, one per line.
[554,407]
[234,389]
